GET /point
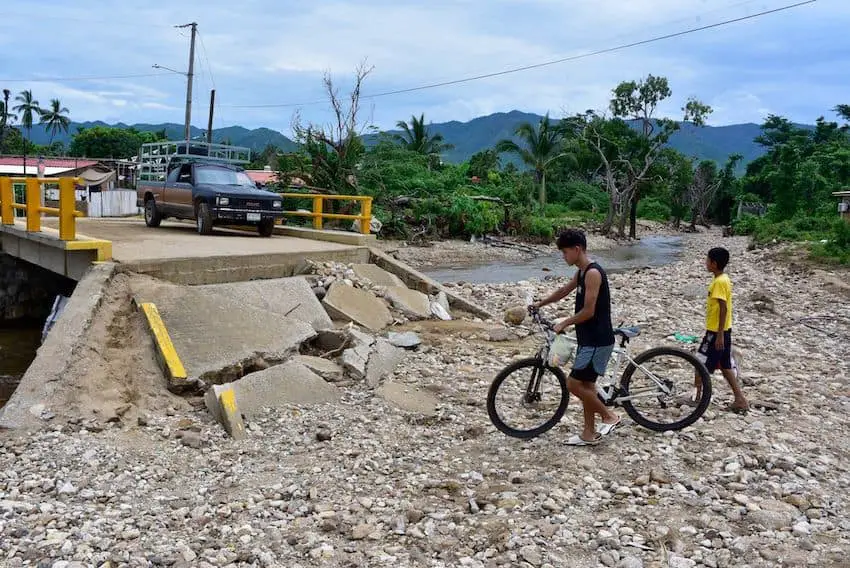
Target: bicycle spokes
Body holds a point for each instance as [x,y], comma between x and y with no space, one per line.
[528,397]
[662,389]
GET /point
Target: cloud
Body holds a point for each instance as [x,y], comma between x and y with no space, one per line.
[267,52]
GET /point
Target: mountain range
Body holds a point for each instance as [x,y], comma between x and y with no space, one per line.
[709,142]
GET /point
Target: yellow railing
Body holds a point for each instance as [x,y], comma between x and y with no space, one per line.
[318,214]
[66,211]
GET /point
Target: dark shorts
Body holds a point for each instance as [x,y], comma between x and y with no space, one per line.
[591,362]
[710,356]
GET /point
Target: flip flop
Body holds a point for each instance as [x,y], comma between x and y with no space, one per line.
[577,440]
[604,429]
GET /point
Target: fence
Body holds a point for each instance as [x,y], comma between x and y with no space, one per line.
[318,215]
[112,203]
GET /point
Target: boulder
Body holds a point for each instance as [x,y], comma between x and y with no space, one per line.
[516,315]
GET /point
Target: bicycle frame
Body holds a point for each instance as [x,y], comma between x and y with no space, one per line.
[608,389]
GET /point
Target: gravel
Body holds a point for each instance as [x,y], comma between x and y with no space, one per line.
[363,483]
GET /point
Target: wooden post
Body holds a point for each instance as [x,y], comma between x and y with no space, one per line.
[67,206]
[366,214]
[7,197]
[317,212]
[33,206]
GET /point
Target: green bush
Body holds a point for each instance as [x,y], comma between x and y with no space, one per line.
[582,202]
[554,210]
[540,228]
[654,209]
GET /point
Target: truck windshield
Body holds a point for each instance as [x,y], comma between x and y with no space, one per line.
[222,176]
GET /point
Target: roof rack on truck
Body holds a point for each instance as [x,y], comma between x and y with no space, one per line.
[154,157]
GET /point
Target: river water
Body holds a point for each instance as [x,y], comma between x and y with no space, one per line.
[648,252]
[17,351]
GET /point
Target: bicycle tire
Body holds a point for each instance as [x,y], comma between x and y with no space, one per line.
[504,374]
[700,408]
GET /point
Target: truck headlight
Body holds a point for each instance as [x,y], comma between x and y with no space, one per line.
[223,200]
[277,204]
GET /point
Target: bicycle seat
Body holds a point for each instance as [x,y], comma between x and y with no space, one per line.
[628,332]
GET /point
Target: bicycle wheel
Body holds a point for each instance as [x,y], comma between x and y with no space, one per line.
[649,405]
[528,384]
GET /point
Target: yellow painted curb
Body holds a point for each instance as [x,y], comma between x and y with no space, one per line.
[231,418]
[173,367]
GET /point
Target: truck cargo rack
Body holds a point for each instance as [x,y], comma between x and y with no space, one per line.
[154,157]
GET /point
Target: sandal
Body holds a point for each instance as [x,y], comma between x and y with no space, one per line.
[577,440]
[604,429]
[736,409]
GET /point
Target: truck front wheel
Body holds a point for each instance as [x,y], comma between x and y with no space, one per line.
[152,215]
[266,227]
[204,219]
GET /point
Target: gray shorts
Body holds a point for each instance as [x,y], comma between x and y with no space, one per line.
[591,362]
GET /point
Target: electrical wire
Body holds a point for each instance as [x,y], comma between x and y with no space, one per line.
[547,63]
[92,78]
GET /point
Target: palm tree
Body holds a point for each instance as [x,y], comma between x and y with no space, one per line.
[416,137]
[542,145]
[55,119]
[28,108]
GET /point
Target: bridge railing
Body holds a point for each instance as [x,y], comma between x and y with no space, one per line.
[33,207]
[318,214]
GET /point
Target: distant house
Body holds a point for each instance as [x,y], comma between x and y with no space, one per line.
[262,177]
[843,204]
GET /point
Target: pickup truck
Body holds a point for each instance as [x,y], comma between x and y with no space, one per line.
[209,193]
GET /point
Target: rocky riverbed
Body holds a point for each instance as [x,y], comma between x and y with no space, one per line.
[364,482]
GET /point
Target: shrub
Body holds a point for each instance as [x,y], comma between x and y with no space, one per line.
[654,209]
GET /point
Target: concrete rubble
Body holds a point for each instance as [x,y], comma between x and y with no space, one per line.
[412,473]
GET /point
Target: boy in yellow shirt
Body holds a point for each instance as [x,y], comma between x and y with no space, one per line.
[716,346]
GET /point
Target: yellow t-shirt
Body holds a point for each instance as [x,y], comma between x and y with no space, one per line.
[720,289]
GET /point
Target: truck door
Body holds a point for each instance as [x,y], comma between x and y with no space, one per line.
[179,193]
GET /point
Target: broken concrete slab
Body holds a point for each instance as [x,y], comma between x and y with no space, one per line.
[409,398]
[286,297]
[220,400]
[410,302]
[217,336]
[405,340]
[355,359]
[288,383]
[376,275]
[384,359]
[328,370]
[501,334]
[347,303]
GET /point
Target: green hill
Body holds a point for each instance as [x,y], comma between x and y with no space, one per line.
[709,142]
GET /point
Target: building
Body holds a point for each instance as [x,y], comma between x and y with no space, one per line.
[843,204]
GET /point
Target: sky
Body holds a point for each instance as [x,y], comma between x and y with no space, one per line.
[793,63]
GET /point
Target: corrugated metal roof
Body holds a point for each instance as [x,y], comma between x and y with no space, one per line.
[65,163]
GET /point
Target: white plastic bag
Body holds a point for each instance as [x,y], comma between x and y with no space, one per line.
[562,351]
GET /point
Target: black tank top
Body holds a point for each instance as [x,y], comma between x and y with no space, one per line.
[597,331]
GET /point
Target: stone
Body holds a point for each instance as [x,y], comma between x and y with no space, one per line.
[531,555]
[412,303]
[328,370]
[347,303]
[288,383]
[191,439]
[630,562]
[409,398]
[440,312]
[383,360]
[516,315]
[405,340]
[376,275]
[498,334]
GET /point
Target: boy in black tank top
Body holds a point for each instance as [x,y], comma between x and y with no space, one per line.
[594,333]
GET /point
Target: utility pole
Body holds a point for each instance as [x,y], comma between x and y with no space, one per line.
[212,107]
[190,75]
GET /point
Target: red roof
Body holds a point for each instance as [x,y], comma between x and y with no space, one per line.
[262,176]
[69,163]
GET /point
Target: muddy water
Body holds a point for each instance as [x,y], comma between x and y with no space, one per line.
[649,251]
[17,351]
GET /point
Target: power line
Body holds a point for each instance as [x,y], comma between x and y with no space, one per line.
[548,63]
[66,79]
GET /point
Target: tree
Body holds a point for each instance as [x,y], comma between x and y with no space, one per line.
[29,109]
[483,162]
[416,137]
[55,119]
[336,148]
[628,173]
[541,145]
[107,142]
[701,191]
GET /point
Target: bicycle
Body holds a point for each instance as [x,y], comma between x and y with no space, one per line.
[628,393]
